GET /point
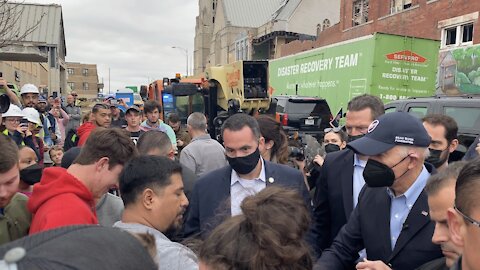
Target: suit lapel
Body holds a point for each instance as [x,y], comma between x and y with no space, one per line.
[346,178]
[270,175]
[416,220]
[382,205]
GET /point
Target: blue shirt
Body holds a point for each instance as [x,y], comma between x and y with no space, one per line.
[402,204]
[358,181]
[242,188]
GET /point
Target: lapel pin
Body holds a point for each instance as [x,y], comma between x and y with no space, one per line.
[271,180]
[425,213]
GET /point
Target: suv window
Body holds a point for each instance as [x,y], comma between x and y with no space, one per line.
[305,108]
[418,112]
[281,105]
[465,117]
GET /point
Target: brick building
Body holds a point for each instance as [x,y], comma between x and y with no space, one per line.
[454,22]
[83,79]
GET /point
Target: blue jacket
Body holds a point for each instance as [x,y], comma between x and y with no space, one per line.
[209,204]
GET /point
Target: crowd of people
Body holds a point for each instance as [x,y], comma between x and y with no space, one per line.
[168,196]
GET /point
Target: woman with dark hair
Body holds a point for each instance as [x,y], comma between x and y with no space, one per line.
[276,142]
[268,235]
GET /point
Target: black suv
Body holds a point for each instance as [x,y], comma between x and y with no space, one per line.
[464,109]
[310,115]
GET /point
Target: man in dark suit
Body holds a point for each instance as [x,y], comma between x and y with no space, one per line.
[391,219]
[341,179]
[218,194]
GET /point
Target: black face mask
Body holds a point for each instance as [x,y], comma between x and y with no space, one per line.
[246,164]
[31,174]
[436,158]
[331,147]
[356,137]
[377,174]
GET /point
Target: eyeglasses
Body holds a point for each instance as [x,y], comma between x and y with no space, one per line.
[467,218]
[334,129]
[12,120]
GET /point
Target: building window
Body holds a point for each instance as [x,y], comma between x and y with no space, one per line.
[70,71]
[399,5]
[85,72]
[85,86]
[326,24]
[319,29]
[360,12]
[71,85]
[457,35]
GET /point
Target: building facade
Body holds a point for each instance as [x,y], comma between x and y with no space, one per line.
[454,23]
[35,43]
[230,30]
[83,79]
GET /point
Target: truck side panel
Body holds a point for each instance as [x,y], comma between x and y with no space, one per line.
[404,67]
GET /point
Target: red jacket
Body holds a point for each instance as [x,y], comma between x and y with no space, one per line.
[58,200]
[84,131]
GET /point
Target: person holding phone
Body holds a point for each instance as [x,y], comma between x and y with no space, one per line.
[16,127]
[61,118]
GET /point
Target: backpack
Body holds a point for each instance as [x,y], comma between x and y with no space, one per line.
[71,140]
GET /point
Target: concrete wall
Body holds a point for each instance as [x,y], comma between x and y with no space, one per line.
[309,13]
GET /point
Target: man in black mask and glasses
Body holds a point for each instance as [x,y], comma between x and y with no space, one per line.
[391,219]
[218,194]
[443,131]
[341,178]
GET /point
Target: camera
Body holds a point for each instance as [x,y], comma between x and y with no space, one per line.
[296,153]
[4,103]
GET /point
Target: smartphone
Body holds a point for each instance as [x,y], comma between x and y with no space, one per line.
[114,102]
[24,121]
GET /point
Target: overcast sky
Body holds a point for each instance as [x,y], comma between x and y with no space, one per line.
[132,38]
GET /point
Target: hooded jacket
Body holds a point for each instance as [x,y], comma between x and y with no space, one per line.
[60,200]
[84,131]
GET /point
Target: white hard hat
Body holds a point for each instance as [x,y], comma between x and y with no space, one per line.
[13,111]
[29,88]
[32,116]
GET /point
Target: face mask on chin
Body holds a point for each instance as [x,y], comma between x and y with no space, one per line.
[377,174]
[246,164]
[436,158]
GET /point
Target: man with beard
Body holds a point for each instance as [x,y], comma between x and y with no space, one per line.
[341,179]
[218,194]
[152,191]
[50,126]
[133,115]
[443,131]
[101,118]
[14,216]
[29,94]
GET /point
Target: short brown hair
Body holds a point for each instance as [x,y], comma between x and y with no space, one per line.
[9,155]
[113,143]
[55,148]
[365,101]
[441,179]
[467,187]
[450,125]
[269,234]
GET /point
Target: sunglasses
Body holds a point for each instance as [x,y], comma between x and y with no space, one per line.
[334,129]
[467,218]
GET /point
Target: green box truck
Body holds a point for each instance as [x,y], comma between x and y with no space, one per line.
[389,66]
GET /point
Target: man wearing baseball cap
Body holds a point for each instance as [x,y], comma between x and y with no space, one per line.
[391,219]
[29,94]
[133,116]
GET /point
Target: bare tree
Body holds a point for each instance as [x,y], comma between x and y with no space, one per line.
[11,30]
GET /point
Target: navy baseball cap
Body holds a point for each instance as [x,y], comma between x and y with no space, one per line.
[389,130]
